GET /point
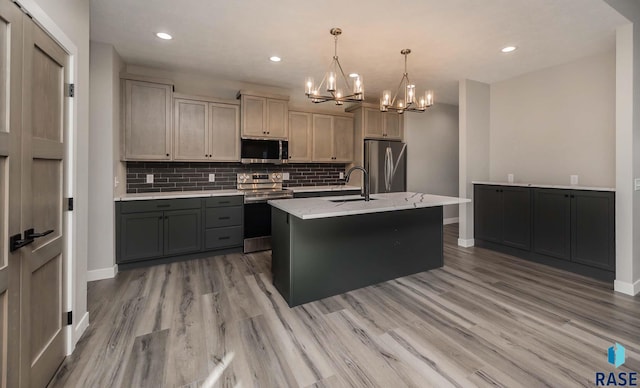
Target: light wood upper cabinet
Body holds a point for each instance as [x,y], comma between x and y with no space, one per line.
[205,131]
[300,136]
[263,116]
[190,130]
[372,123]
[147,120]
[254,116]
[392,125]
[343,139]
[322,138]
[224,132]
[332,139]
[382,125]
[277,117]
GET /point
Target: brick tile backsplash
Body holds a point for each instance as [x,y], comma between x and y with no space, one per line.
[185,176]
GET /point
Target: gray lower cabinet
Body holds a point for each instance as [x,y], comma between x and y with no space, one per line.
[141,236]
[223,223]
[570,229]
[157,229]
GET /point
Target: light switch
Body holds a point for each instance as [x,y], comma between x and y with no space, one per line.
[285,176]
[510,178]
[212,177]
[149,178]
[636,184]
[574,179]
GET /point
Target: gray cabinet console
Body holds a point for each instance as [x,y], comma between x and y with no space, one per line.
[163,230]
[567,228]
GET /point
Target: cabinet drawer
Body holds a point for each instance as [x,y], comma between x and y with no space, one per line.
[223,216]
[159,205]
[235,200]
[223,237]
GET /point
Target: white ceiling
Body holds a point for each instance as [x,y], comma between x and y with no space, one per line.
[450,40]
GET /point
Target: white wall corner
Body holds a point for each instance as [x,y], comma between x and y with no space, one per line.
[627,288]
[466,243]
[102,273]
[77,332]
[452,220]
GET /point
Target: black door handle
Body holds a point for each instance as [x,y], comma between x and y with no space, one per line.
[30,234]
[16,242]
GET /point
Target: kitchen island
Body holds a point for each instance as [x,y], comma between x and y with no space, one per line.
[327,246]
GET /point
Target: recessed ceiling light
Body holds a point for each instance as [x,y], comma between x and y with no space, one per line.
[354,75]
[509,49]
[164,35]
[275,59]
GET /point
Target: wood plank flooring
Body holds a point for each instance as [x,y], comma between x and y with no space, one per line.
[485,319]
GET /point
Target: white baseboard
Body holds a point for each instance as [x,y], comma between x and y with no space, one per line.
[102,273]
[452,220]
[627,288]
[466,243]
[77,332]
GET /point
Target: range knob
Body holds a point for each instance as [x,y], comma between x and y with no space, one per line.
[278,176]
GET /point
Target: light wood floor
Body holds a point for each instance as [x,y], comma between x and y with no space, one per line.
[484,319]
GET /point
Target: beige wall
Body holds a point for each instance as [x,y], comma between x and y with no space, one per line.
[104,133]
[474,149]
[72,17]
[432,152]
[556,122]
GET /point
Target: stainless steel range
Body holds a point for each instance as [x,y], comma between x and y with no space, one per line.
[258,188]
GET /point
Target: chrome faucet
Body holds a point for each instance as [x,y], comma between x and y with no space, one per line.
[367,188]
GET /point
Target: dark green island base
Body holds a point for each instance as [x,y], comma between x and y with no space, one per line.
[317,258]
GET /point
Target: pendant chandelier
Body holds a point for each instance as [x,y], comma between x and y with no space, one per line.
[335,85]
[405,98]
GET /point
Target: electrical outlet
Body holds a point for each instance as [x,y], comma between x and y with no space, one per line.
[285,176]
[212,177]
[510,178]
[636,184]
[341,175]
[574,179]
[116,182]
[149,178]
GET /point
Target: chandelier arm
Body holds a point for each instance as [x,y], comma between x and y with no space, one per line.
[397,90]
[344,77]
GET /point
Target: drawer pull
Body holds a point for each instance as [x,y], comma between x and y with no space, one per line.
[224,218]
[163,205]
[221,202]
[224,238]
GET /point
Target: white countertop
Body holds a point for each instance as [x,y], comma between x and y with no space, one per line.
[177,194]
[311,189]
[311,208]
[542,186]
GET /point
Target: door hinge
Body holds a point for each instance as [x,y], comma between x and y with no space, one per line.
[70,204]
[22,8]
[70,90]
[69,318]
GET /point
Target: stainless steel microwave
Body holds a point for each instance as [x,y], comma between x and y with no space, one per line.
[264,151]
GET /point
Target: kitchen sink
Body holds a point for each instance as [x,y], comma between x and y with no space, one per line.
[350,200]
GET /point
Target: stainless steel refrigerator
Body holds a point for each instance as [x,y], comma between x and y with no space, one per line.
[386,162]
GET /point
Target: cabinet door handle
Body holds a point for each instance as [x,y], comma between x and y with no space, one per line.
[224,238]
[224,218]
[573,196]
[167,154]
[160,217]
[566,195]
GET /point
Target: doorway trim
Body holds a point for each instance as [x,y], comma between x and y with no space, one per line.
[74,331]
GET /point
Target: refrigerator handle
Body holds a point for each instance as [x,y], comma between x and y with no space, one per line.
[388,168]
[404,148]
